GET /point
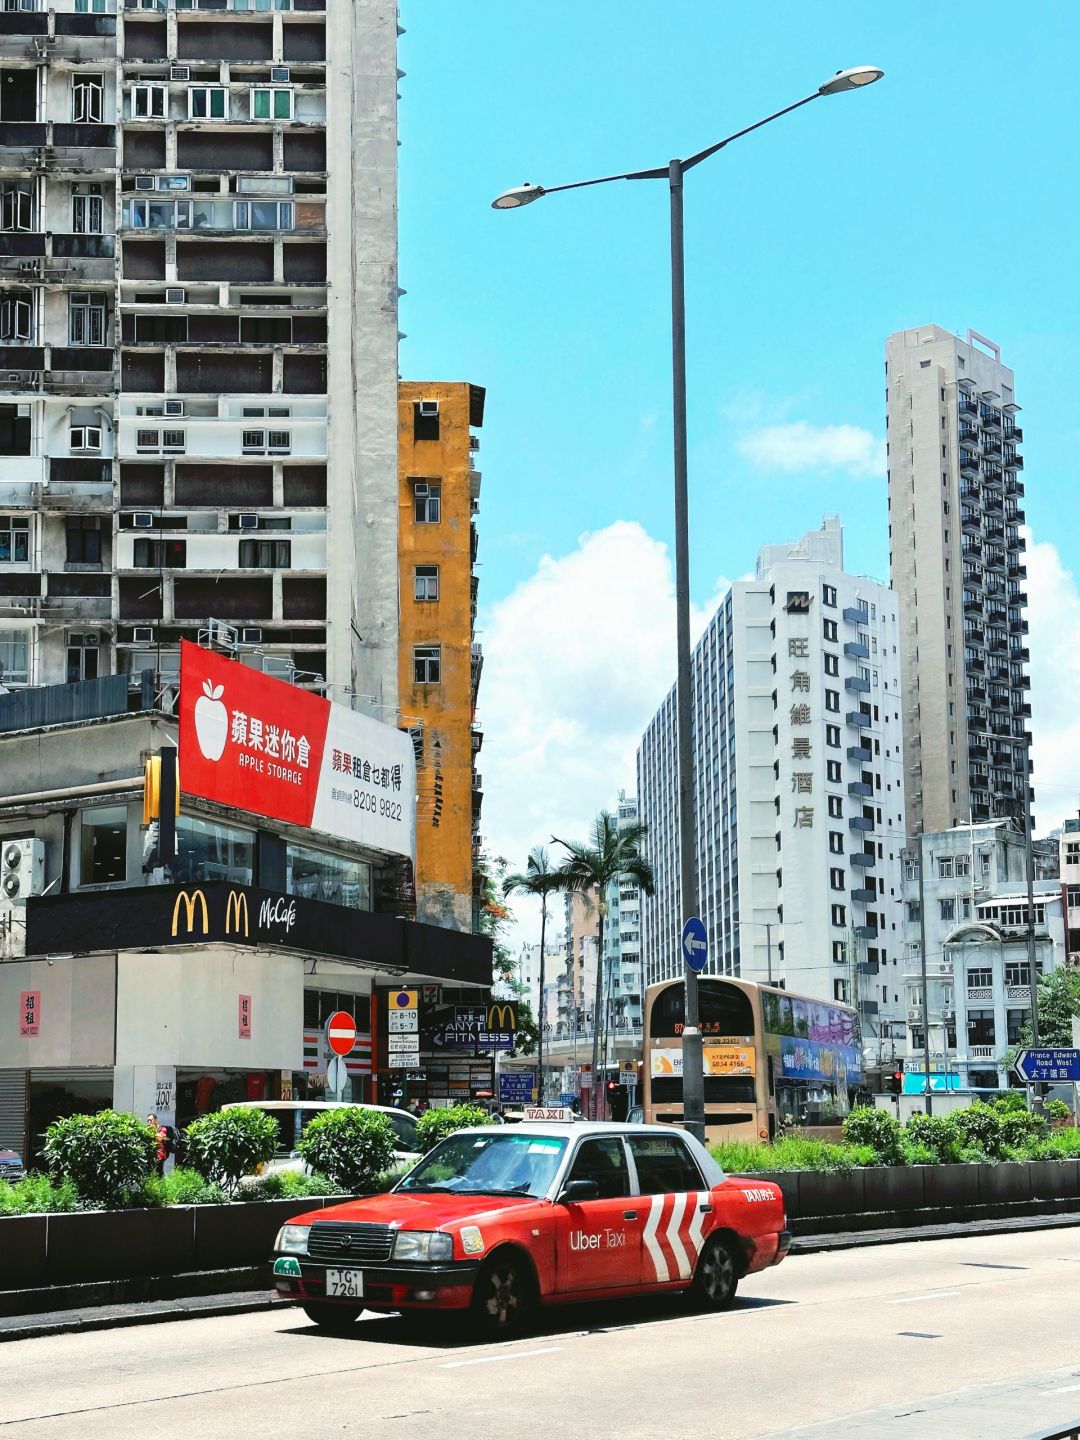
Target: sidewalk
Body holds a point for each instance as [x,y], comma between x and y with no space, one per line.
[243,1302]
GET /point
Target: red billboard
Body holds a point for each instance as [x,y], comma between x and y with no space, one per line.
[258,744]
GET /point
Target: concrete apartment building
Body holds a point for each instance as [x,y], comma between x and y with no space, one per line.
[440,660]
[198,338]
[957,561]
[799,807]
[622,943]
[974,889]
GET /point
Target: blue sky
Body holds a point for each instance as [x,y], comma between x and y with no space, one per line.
[945,193]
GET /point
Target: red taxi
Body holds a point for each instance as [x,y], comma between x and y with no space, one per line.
[501,1219]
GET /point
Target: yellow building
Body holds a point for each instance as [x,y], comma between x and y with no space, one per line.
[439,661]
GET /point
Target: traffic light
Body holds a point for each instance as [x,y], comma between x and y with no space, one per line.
[894,1083]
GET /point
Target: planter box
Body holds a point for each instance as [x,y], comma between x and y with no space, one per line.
[832,1193]
[951,1187]
[110,1244]
[1055,1180]
[892,1190]
[22,1248]
[242,1234]
[1006,1184]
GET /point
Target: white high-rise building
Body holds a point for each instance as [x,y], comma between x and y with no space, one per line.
[799,808]
[622,939]
[956,498]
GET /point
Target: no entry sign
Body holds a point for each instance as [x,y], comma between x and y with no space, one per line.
[340,1033]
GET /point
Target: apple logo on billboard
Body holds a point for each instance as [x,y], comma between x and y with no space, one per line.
[211,721]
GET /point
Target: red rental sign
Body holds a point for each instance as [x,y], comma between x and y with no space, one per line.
[341,1032]
[245,1017]
[29,1013]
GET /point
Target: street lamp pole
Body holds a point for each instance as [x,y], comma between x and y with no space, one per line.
[674,172]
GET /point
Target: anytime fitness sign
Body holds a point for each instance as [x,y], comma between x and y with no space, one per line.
[259,744]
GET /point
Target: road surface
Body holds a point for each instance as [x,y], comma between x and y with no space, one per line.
[962,1339]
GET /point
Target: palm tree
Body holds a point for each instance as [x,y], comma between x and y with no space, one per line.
[613,852]
[541,880]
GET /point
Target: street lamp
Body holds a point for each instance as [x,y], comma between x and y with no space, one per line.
[767,926]
[673,172]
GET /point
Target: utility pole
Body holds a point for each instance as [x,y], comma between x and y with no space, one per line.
[925,982]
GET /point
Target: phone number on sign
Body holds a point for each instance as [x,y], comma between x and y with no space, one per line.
[376,804]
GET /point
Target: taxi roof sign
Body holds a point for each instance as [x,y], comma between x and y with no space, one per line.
[548,1112]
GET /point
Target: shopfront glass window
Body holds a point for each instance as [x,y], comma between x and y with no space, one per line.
[103,856]
[207,850]
[321,875]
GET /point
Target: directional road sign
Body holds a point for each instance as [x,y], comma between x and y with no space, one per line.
[695,944]
[1047,1066]
[340,1033]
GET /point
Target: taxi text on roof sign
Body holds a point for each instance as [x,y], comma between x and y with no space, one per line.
[259,744]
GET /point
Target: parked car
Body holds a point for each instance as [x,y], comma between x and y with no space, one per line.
[499,1221]
[293,1117]
[11,1165]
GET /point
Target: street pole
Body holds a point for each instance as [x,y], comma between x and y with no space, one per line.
[925,983]
[1029,855]
[693,1075]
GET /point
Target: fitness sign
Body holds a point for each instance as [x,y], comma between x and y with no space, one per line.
[259,744]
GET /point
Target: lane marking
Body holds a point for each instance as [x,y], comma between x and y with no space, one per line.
[918,1335]
[914,1299]
[491,1359]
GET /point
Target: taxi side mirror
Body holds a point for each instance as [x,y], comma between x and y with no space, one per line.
[575,1191]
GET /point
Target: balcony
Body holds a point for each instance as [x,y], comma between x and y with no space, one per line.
[978,750]
[21,479]
[864,897]
[75,499]
[969,407]
[982,1052]
[859,752]
[856,650]
[860,787]
[864,860]
[860,822]
[1017,571]
[973,605]
[1013,486]
[1000,702]
[857,685]
[1013,433]
[1018,627]
[856,614]
[1014,462]
[1018,992]
[969,462]
[991,419]
[858,718]
[969,435]
[866,932]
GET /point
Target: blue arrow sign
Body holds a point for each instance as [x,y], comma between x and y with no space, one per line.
[695,944]
[1047,1066]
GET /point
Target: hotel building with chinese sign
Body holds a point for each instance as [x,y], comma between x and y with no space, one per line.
[175,972]
[798,790]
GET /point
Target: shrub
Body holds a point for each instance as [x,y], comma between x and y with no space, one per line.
[435,1125]
[1009,1101]
[979,1128]
[793,1153]
[353,1147]
[1020,1129]
[879,1130]
[1057,1110]
[936,1134]
[39,1195]
[107,1156]
[232,1143]
[181,1187]
[290,1185]
[916,1154]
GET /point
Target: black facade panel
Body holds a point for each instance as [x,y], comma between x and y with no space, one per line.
[217,151]
[20,584]
[304,485]
[223,40]
[82,586]
[142,485]
[144,149]
[304,375]
[303,599]
[239,487]
[304,42]
[305,152]
[208,372]
[64,704]
[304,261]
[140,596]
[143,41]
[229,598]
[225,260]
[144,260]
[142,370]
[67,470]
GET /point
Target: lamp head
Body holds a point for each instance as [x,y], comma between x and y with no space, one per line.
[853,79]
[518,196]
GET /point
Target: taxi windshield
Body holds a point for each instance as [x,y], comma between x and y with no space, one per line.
[495,1163]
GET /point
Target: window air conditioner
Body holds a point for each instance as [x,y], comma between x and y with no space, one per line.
[174,407]
[142,520]
[251,635]
[144,182]
[175,295]
[23,868]
[142,634]
[279,74]
[179,72]
[248,521]
[429,408]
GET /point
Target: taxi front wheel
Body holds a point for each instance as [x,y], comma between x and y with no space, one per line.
[335,1318]
[717,1277]
[505,1295]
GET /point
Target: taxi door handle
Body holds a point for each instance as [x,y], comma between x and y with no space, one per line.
[629,1214]
[705,1207]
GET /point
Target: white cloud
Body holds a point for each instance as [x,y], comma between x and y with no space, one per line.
[1054,612]
[576,661]
[801,446]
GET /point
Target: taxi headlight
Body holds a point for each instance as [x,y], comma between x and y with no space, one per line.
[423,1245]
[293,1238]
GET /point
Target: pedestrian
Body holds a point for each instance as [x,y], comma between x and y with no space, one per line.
[162,1139]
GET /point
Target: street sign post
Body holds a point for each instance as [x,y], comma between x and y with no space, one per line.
[695,944]
[337,1076]
[340,1033]
[1048,1066]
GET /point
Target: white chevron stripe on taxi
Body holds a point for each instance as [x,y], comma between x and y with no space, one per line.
[678,1209]
[652,1224]
[683,1233]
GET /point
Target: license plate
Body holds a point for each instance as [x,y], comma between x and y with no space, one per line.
[349,1283]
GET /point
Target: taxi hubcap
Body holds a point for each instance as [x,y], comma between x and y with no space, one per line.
[503,1301]
[718,1272]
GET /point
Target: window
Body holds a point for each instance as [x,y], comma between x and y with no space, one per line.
[663,1164]
[207,102]
[15,316]
[962,866]
[427,498]
[320,875]
[265,554]
[604,1162]
[1014,1026]
[836,807]
[836,879]
[85,437]
[15,657]
[832,664]
[83,540]
[427,664]
[828,596]
[945,868]
[160,554]
[1017,972]
[839,915]
[87,214]
[914,910]
[836,842]
[980,1025]
[17,205]
[103,846]
[948,909]
[829,629]
[839,952]
[209,850]
[980,977]
[832,700]
[82,657]
[263,215]
[426,582]
[984,863]
[87,317]
[149,102]
[832,769]
[90,7]
[271,104]
[262,442]
[14,541]
[87,99]
[832,736]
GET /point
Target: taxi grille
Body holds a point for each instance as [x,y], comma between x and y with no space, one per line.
[370,1244]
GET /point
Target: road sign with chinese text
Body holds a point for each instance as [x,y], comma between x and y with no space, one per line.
[1048,1066]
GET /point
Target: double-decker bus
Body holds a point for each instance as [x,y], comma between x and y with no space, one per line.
[773,1061]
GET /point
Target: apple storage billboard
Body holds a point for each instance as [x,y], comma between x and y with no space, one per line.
[254,743]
